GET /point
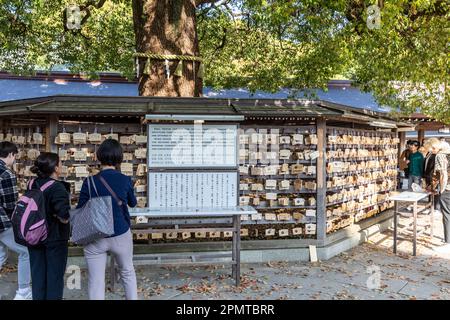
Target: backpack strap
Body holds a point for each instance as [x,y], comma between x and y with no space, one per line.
[47,185]
[30,184]
[111,191]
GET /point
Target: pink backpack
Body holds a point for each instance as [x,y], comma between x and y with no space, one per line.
[29,220]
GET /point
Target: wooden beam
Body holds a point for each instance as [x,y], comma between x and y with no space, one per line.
[402,145]
[51,132]
[421,136]
[321,212]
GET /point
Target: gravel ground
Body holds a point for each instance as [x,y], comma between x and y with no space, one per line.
[369,271]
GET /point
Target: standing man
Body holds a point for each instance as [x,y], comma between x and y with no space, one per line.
[8,199]
[442,169]
[403,162]
[415,165]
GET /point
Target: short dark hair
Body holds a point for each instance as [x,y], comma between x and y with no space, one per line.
[6,148]
[415,143]
[409,142]
[110,153]
[45,164]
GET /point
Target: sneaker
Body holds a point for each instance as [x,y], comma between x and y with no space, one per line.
[24,294]
[443,249]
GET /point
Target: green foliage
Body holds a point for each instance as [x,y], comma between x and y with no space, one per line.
[259,44]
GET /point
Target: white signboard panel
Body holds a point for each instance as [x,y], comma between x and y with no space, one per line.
[192,189]
[195,145]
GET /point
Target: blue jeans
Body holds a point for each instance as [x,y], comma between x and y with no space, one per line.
[414,179]
[48,266]
[7,242]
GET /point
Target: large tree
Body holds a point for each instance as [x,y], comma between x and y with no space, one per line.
[258,44]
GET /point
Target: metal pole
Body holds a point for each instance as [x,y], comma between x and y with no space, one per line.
[395,226]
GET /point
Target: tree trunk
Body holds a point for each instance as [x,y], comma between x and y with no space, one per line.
[167,27]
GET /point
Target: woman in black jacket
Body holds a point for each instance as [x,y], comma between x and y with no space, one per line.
[48,261]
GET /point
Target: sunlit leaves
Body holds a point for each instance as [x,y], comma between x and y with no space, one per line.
[258,44]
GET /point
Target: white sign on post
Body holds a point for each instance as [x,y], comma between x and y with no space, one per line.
[192,189]
[197,145]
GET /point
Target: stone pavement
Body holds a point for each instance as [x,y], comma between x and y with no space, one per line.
[369,271]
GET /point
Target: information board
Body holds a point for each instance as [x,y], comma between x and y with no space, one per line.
[193,145]
[192,189]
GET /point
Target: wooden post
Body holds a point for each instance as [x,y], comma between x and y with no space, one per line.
[401,147]
[421,136]
[321,212]
[51,132]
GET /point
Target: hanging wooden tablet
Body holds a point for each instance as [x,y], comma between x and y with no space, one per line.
[141,202]
[310,213]
[141,236]
[140,139]
[298,215]
[283,232]
[243,170]
[141,219]
[297,169]
[270,170]
[284,202]
[79,138]
[38,138]
[298,185]
[257,187]
[141,170]
[141,153]
[285,185]
[285,154]
[271,196]
[284,216]
[243,139]
[256,216]
[80,155]
[227,234]
[156,236]
[81,172]
[271,184]
[140,188]
[284,169]
[310,228]
[126,140]
[285,140]
[244,201]
[214,235]
[127,156]
[113,136]
[171,235]
[297,139]
[78,184]
[185,235]
[32,154]
[95,138]
[21,140]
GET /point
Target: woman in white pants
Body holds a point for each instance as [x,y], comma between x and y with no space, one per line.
[111,182]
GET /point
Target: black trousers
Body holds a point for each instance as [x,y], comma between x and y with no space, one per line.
[48,266]
[445,209]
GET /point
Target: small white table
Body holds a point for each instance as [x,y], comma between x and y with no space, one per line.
[412,198]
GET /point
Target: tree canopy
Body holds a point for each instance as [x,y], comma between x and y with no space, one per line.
[258,44]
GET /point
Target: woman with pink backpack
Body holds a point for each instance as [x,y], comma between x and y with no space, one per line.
[48,258]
